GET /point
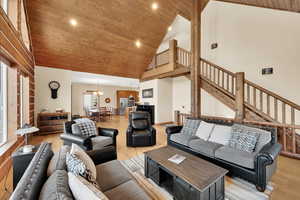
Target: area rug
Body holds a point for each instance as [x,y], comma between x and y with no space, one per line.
[235,188]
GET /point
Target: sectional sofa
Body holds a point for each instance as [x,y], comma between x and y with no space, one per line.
[256,167]
[112,178]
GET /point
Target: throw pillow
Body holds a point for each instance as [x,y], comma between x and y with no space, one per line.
[87,128]
[58,161]
[221,134]
[237,129]
[190,127]
[264,136]
[90,172]
[75,129]
[247,142]
[75,165]
[204,130]
[82,189]
[56,187]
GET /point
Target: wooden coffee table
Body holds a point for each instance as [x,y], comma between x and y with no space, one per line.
[193,179]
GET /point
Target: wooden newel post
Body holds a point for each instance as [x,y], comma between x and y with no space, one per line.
[173,53]
[177,117]
[239,100]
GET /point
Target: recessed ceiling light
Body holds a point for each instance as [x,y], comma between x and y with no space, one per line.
[154,6]
[73,22]
[138,44]
[170,28]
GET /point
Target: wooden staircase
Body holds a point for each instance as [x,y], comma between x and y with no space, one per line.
[259,105]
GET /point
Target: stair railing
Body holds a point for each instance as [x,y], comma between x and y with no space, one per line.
[219,77]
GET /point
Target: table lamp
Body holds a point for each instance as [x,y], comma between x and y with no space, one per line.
[25,130]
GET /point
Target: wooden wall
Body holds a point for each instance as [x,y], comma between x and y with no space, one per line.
[20,57]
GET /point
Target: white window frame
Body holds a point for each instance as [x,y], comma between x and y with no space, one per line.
[3,68]
[4,5]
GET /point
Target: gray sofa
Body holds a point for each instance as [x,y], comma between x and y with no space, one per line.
[256,167]
[113,179]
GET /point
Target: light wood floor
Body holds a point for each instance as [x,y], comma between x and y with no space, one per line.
[286,180]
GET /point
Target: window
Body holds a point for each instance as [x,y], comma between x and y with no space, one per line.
[3,103]
[4,5]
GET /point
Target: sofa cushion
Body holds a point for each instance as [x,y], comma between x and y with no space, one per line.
[56,187]
[111,174]
[82,189]
[236,156]
[58,161]
[220,134]
[99,142]
[204,130]
[128,190]
[181,138]
[190,127]
[204,147]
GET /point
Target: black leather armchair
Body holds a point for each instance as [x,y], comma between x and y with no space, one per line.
[86,142]
[140,131]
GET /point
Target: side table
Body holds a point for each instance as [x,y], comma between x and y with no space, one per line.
[20,162]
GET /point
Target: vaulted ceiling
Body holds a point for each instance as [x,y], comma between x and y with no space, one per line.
[286,5]
[103,40]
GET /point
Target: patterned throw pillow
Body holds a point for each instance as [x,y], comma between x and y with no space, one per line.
[75,165]
[247,142]
[87,128]
[242,139]
[190,127]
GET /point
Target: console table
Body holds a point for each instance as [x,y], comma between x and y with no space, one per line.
[193,179]
[51,123]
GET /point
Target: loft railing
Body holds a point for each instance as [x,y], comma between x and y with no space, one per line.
[183,57]
[159,59]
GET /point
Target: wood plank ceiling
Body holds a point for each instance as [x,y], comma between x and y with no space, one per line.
[104,39]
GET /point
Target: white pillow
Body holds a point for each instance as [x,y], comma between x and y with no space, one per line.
[204,130]
[82,155]
[82,189]
[221,134]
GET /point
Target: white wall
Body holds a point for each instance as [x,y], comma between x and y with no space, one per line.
[78,89]
[164,101]
[43,75]
[162,98]
[251,38]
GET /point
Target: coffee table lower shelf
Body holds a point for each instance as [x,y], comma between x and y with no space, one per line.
[180,189]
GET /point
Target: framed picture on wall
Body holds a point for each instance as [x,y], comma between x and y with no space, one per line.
[147,93]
